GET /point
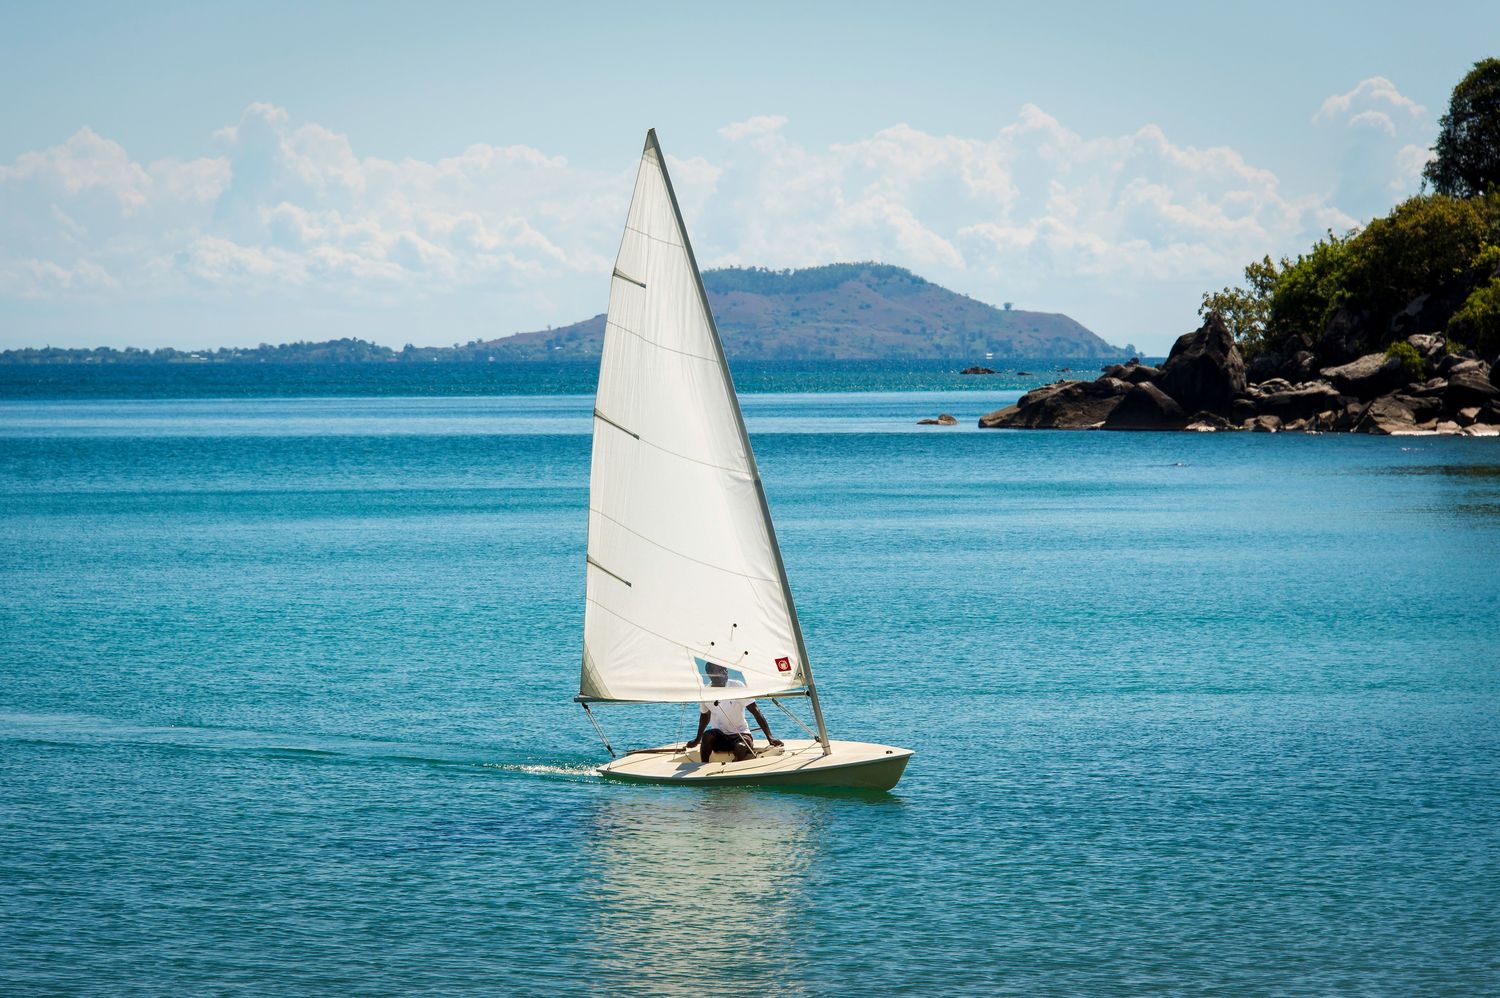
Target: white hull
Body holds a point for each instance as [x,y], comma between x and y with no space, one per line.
[800,763]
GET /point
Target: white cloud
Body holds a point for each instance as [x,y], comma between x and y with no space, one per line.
[512,237]
[1374,94]
[1374,127]
[761,124]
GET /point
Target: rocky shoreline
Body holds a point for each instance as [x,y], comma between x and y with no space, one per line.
[1206,386]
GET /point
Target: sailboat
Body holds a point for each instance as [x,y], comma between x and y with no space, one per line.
[684,577]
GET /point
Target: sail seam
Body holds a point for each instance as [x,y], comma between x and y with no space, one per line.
[689,458]
[643,232]
[659,544]
[659,346]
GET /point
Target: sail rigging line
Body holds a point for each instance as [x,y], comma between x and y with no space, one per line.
[680,554]
[800,723]
[599,730]
[652,144]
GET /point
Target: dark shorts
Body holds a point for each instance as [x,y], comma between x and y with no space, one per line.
[723,741]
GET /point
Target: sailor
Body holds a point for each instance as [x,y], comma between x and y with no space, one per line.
[722,727]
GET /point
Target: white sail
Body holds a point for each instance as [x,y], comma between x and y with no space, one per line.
[683,567]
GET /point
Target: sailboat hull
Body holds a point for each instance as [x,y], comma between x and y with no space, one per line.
[799,763]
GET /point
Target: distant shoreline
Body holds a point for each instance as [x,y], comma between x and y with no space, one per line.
[363,352]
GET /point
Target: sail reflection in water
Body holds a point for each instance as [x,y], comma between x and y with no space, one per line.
[701,893]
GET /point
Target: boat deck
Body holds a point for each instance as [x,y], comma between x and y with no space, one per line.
[799,762]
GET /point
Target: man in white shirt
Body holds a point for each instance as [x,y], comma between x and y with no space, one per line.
[722,727]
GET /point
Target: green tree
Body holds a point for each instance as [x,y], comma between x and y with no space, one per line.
[1246,311]
[1478,321]
[1468,143]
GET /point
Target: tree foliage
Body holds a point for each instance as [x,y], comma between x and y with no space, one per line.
[1467,152]
[1246,310]
[809,280]
[1478,321]
[1427,244]
[1411,361]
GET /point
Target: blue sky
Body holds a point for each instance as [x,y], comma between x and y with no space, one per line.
[207,174]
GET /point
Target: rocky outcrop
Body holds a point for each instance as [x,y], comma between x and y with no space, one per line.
[1204,370]
[1065,405]
[1371,375]
[1469,388]
[977,370]
[1391,416]
[1146,407]
[1280,391]
[1304,401]
[1133,371]
[946,419]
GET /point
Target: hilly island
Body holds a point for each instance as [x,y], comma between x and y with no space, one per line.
[841,311]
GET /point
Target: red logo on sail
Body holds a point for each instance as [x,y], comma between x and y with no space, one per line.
[783,665]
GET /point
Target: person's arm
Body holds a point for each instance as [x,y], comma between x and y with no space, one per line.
[764,724]
[702,726]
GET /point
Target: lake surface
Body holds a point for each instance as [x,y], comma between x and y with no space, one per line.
[285,708]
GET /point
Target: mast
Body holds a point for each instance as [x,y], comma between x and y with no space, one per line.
[739,419]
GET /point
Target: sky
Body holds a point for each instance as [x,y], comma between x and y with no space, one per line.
[202,175]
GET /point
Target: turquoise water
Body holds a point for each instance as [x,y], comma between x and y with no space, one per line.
[285,709]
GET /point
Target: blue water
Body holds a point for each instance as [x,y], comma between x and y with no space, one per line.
[285,709]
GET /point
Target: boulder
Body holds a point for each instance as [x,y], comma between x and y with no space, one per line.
[1482,430]
[1133,371]
[1241,411]
[944,420]
[976,370]
[1345,337]
[1264,424]
[1469,416]
[1394,415]
[1429,313]
[1000,419]
[1424,409]
[1303,366]
[1262,366]
[1208,422]
[1302,402]
[1204,369]
[1347,417]
[1447,427]
[1431,388]
[1146,407]
[1065,405]
[1295,344]
[1455,362]
[1467,388]
[1430,347]
[1369,376]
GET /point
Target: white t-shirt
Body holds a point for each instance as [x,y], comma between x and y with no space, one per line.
[728,716]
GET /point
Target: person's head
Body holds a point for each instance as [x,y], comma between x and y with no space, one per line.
[717,674]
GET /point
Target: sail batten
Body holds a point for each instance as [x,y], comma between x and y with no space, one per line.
[675,500]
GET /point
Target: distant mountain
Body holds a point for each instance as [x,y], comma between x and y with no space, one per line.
[844,311]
